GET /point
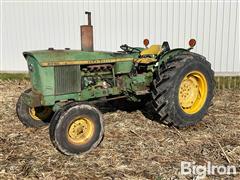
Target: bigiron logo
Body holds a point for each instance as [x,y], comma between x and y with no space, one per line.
[201,171]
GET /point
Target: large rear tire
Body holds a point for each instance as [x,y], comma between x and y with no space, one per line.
[182,89]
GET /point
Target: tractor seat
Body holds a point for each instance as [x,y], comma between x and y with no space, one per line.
[153,50]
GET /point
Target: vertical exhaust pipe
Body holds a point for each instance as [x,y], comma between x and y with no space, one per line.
[87,35]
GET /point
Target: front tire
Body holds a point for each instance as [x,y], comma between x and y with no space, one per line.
[183,89]
[33,116]
[76,128]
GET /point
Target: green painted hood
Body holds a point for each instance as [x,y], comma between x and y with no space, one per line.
[51,56]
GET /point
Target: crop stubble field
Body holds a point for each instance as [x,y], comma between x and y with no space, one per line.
[134,147]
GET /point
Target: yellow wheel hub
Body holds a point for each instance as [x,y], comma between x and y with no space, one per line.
[80,131]
[32,113]
[193,92]
[40,113]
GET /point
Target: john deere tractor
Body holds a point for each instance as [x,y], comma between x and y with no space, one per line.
[66,83]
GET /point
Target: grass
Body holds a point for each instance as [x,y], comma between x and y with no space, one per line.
[14,76]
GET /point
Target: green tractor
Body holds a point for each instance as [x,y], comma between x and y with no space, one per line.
[65,85]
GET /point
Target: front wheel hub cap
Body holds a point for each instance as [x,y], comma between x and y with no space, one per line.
[80,131]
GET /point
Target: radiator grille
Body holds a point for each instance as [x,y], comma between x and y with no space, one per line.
[67,79]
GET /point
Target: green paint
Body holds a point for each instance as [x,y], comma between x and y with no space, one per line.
[141,82]
[42,78]
[123,67]
[54,74]
[49,56]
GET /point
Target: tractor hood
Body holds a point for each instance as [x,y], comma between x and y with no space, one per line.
[70,57]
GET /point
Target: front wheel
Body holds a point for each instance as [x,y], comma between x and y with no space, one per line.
[33,116]
[183,89]
[76,128]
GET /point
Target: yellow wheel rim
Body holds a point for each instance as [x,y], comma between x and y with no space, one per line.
[40,114]
[80,131]
[193,92]
[32,113]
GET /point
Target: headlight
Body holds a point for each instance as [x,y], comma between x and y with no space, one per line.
[30,67]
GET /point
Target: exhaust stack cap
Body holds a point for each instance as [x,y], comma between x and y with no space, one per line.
[89,17]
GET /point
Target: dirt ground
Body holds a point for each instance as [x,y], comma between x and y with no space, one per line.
[134,147]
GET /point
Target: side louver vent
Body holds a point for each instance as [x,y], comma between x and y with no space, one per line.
[67,79]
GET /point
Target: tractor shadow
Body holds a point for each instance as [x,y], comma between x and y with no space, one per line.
[128,106]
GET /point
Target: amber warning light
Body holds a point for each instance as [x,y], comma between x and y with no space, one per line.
[192,43]
[145,42]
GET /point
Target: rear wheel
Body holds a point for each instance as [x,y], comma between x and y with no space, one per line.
[76,128]
[183,89]
[33,116]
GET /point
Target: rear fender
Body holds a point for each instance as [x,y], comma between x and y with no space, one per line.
[166,56]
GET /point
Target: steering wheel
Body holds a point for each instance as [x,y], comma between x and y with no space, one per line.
[129,49]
